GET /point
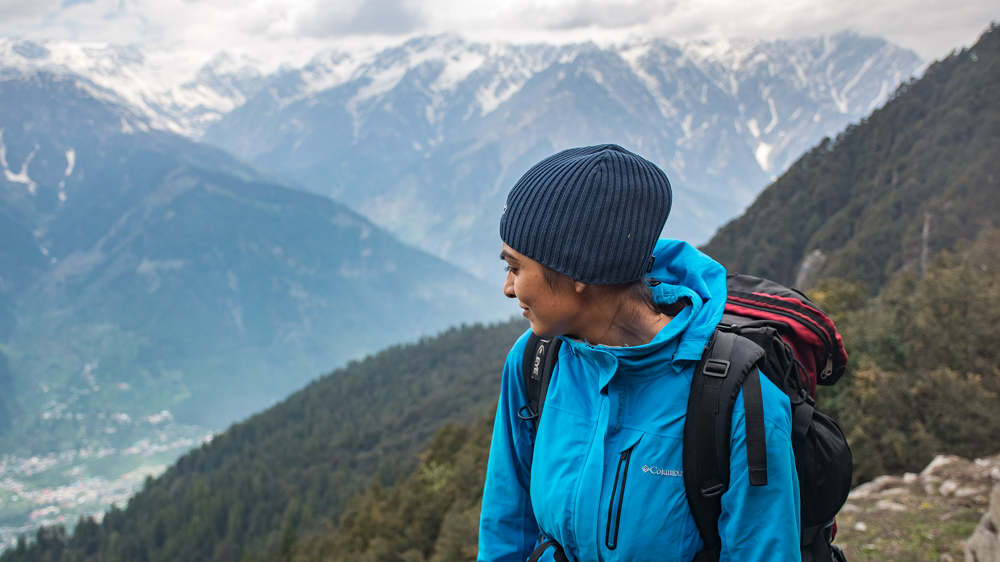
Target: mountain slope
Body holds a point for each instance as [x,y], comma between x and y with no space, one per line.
[857,208]
[427,138]
[146,272]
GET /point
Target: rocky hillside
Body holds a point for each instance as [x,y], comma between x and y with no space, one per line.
[919,516]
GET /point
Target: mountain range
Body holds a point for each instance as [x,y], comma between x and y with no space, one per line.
[144,275]
[426,138]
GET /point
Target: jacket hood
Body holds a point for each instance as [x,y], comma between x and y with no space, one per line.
[682,271]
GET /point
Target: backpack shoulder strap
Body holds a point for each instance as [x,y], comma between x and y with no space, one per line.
[539,361]
[728,364]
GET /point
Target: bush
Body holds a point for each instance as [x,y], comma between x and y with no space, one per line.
[925,366]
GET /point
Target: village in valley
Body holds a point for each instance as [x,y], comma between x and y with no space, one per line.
[58,489]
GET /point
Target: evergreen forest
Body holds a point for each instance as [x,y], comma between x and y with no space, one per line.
[384,460]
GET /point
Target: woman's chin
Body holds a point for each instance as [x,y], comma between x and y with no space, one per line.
[541,331]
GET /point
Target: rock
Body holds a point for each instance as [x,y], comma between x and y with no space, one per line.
[995,473]
[938,462]
[860,526]
[850,509]
[966,492]
[893,492]
[984,544]
[861,492]
[946,558]
[994,510]
[877,485]
[887,481]
[909,478]
[948,487]
[886,505]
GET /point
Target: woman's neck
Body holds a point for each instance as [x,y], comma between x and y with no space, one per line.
[625,324]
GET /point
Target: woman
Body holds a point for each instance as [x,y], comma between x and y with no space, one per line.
[603,476]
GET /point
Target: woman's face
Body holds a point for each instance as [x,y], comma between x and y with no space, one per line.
[553,310]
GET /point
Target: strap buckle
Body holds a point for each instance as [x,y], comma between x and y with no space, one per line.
[716,368]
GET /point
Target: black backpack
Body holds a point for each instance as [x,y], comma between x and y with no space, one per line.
[795,345]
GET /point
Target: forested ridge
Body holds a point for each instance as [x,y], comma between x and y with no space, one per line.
[858,204]
[333,473]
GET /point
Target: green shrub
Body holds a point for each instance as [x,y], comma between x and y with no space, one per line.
[925,366]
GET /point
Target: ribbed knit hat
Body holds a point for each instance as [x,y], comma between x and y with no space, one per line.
[592,213]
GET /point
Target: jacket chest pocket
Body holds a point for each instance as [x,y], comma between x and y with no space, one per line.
[647,513]
[617,499]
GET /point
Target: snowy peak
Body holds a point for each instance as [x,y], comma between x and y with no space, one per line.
[220,86]
[166,88]
[842,73]
[448,60]
[425,138]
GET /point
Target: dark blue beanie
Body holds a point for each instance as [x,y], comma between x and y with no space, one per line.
[592,213]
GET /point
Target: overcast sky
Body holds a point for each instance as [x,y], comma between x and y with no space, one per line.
[284,30]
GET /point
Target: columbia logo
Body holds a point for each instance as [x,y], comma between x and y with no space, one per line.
[662,471]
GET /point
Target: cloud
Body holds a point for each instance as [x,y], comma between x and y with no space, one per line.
[615,14]
[21,10]
[383,17]
[294,29]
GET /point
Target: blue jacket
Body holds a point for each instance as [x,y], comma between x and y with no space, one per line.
[605,477]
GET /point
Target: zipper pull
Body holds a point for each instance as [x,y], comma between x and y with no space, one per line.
[828,370]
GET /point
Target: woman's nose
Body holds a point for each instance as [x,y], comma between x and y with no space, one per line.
[508,286]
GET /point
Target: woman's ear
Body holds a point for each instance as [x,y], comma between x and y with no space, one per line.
[579,286]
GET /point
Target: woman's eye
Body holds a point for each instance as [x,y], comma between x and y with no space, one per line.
[510,269]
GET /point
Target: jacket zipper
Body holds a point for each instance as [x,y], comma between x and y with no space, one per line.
[619,488]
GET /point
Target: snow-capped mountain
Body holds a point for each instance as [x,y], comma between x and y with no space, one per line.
[427,138]
[160,86]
